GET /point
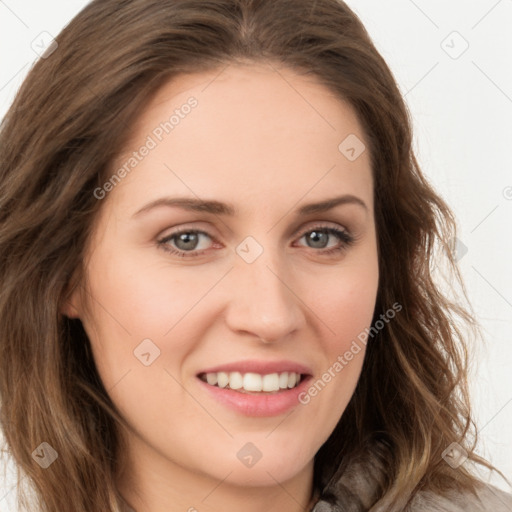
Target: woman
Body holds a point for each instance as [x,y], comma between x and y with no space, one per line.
[216,250]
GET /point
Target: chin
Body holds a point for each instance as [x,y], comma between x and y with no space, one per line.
[265,472]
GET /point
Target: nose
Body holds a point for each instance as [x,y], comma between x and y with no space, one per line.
[262,299]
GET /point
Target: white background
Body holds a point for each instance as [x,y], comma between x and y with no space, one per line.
[462,110]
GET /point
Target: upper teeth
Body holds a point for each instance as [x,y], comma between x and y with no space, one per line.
[253,381]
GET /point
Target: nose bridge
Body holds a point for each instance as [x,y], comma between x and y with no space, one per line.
[263,303]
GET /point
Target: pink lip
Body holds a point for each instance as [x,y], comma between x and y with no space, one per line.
[258,405]
[261,367]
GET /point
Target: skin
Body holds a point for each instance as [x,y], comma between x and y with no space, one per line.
[266,140]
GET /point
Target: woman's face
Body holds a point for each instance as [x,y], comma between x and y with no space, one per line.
[259,282]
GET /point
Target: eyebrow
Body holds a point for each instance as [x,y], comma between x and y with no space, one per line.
[219,208]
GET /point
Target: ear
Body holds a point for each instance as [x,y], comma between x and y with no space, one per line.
[68,308]
[70,302]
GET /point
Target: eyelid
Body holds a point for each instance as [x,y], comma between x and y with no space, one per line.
[319,224]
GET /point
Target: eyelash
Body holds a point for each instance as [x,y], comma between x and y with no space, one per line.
[346,241]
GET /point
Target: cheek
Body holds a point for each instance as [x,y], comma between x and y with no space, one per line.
[149,299]
[345,302]
[136,300]
[346,311]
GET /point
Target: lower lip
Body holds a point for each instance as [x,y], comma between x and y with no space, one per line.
[264,404]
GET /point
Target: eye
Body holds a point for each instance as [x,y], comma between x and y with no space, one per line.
[185,241]
[319,237]
[192,242]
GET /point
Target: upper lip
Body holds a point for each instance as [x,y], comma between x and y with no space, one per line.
[259,366]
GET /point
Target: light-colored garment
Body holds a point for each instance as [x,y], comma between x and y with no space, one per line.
[490,499]
[355,489]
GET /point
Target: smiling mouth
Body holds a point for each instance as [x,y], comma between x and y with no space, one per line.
[254,383]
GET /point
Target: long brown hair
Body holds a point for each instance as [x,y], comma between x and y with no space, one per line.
[58,140]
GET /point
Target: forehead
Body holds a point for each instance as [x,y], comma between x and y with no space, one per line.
[254,131]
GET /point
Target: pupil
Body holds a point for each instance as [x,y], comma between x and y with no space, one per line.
[317,237]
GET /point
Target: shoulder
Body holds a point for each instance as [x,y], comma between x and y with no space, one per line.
[357,483]
[487,499]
